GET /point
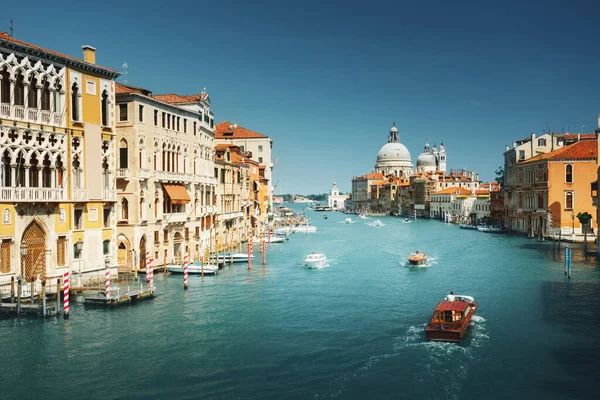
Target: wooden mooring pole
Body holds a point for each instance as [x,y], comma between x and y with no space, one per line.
[19,280]
[44,297]
[12,289]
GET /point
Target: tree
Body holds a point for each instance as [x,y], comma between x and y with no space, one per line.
[500,176]
[584,220]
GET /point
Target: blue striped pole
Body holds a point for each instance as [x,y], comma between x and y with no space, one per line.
[567,259]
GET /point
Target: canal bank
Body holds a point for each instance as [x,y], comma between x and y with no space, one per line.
[352,330]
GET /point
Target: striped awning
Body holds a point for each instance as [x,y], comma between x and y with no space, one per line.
[177,193]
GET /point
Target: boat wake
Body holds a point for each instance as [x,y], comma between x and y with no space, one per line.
[435,359]
[375,224]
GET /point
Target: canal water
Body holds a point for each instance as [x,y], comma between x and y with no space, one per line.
[352,330]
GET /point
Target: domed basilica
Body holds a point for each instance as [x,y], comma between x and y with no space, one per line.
[394,157]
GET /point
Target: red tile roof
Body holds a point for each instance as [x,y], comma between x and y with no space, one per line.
[582,136]
[482,192]
[173,98]
[5,36]
[222,131]
[582,150]
[372,175]
[454,190]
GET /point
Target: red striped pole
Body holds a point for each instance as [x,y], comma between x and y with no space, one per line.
[66,295]
[269,233]
[264,246]
[260,238]
[185,272]
[107,277]
[151,272]
[250,239]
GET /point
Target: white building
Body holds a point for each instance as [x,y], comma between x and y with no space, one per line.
[394,158]
[336,201]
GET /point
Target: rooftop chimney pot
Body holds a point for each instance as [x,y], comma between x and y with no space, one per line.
[89,54]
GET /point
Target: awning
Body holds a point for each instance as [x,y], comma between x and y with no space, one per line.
[177,194]
[258,185]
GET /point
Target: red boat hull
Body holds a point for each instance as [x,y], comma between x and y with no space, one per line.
[450,332]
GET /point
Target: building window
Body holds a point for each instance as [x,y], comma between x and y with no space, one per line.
[166,236]
[168,121]
[74,102]
[184,125]
[541,142]
[104,108]
[61,250]
[124,210]
[141,113]
[195,128]
[90,87]
[106,247]
[105,217]
[123,153]
[569,173]
[569,201]
[260,160]
[5,256]
[78,219]
[521,155]
[260,148]
[123,112]
[156,236]
[178,119]
[163,119]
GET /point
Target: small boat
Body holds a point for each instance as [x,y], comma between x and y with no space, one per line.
[348,220]
[304,229]
[228,257]
[417,258]
[468,226]
[322,208]
[362,216]
[274,239]
[194,269]
[377,223]
[406,220]
[490,229]
[451,319]
[315,260]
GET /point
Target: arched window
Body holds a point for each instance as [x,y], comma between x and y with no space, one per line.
[569,173]
[141,155]
[32,100]
[56,106]
[46,95]
[5,86]
[123,162]
[104,109]
[75,102]
[569,200]
[19,91]
[124,210]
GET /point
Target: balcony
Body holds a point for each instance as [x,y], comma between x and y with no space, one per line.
[80,195]
[109,194]
[30,114]
[144,173]
[123,173]
[174,176]
[176,217]
[231,215]
[21,194]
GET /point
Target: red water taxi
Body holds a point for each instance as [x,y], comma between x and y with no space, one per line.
[451,319]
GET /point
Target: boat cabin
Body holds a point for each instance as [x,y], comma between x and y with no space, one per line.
[451,312]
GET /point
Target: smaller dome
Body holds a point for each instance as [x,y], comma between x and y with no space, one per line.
[426,159]
[394,129]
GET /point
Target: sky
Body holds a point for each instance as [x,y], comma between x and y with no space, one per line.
[326,79]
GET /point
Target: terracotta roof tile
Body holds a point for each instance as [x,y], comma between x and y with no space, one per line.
[582,136]
[453,190]
[372,175]
[172,98]
[5,36]
[222,131]
[582,150]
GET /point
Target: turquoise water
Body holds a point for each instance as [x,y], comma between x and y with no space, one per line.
[352,330]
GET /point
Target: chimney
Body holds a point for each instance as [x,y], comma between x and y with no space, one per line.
[598,130]
[230,127]
[514,145]
[506,148]
[578,137]
[234,125]
[89,54]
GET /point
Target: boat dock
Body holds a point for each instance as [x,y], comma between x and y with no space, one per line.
[117,299]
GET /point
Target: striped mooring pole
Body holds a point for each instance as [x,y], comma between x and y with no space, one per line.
[185,271]
[150,266]
[66,295]
[568,261]
[250,239]
[107,277]
[147,265]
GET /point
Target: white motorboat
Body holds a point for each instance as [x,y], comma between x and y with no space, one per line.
[304,229]
[468,226]
[225,258]
[193,269]
[274,239]
[377,223]
[315,260]
[362,216]
[490,229]
[348,220]
[285,231]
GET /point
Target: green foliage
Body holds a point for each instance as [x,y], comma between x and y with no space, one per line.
[584,218]
[500,175]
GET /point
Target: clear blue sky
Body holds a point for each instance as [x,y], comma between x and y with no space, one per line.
[325,79]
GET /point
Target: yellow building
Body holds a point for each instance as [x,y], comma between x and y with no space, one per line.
[554,187]
[57,168]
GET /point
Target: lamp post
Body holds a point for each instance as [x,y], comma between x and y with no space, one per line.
[79,247]
[24,250]
[573,223]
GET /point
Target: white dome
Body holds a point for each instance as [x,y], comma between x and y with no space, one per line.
[426,159]
[393,152]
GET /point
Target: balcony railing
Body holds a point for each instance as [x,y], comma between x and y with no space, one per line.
[21,194]
[109,194]
[176,217]
[19,112]
[30,114]
[174,176]
[45,117]
[5,109]
[123,173]
[80,194]
[144,173]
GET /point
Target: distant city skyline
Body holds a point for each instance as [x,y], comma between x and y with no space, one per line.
[326,80]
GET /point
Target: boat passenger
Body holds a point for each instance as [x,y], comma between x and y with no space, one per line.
[450,297]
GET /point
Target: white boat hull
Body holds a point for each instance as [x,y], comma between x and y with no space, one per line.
[274,239]
[209,269]
[304,228]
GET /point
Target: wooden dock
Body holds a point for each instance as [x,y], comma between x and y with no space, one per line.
[28,308]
